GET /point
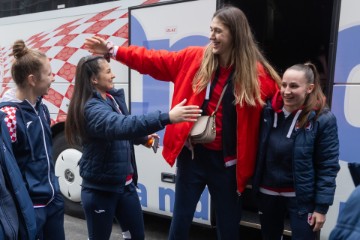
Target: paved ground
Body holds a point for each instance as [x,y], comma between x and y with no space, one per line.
[75,229]
[156,228]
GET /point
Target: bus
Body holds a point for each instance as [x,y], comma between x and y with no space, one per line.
[326,32]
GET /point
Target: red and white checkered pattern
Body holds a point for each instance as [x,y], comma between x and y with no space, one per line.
[10,121]
[64,47]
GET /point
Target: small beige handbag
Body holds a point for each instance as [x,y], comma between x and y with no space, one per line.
[204,129]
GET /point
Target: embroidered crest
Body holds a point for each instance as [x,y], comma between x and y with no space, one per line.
[10,121]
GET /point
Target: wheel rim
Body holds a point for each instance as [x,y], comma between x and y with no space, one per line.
[67,169]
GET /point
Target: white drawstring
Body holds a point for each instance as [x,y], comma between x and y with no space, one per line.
[293,123]
[275,119]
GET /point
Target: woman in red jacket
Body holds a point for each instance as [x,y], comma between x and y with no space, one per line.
[226,164]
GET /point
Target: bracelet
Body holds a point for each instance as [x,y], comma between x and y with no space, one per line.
[110,53]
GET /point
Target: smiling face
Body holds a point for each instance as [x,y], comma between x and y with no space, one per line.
[221,40]
[294,89]
[43,82]
[103,82]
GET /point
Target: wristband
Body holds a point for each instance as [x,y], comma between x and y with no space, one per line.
[110,53]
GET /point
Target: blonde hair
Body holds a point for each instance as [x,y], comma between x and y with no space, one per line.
[27,61]
[244,58]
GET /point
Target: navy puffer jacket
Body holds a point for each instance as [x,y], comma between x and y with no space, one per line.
[348,223]
[108,153]
[315,159]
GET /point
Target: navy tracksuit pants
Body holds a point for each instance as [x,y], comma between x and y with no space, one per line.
[101,207]
[273,209]
[50,220]
[206,169]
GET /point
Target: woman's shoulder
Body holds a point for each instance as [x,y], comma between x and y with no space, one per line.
[267,84]
[326,115]
[193,51]
[93,101]
[326,119]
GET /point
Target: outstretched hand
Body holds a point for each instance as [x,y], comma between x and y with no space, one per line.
[96,45]
[181,113]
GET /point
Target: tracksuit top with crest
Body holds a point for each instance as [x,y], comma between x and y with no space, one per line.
[31,138]
[303,160]
[17,217]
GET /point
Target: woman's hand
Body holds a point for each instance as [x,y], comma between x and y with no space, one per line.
[150,140]
[181,113]
[317,220]
[153,135]
[96,45]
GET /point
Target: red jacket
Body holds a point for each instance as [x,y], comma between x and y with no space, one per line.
[180,68]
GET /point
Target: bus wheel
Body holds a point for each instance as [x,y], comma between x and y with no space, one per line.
[66,159]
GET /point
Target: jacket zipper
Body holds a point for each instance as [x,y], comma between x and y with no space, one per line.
[46,151]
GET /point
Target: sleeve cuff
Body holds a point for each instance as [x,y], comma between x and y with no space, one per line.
[115,51]
[111,51]
[321,208]
[165,119]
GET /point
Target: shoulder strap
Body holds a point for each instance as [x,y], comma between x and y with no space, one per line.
[221,96]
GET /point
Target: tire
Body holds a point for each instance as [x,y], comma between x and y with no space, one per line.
[66,160]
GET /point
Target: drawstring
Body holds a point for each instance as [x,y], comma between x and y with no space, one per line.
[275,120]
[293,123]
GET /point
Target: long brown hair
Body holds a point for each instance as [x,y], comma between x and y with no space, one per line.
[27,61]
[316,99]
[87,68]
[244,58]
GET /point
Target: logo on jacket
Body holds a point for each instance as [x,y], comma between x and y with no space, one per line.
[99,211]
[28,124]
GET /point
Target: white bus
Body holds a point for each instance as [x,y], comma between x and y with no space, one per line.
[323,31]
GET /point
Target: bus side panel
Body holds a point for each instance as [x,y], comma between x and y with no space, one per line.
[164,27]
[61,34]
[345,105]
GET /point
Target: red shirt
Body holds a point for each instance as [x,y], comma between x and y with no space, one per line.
[214,98]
